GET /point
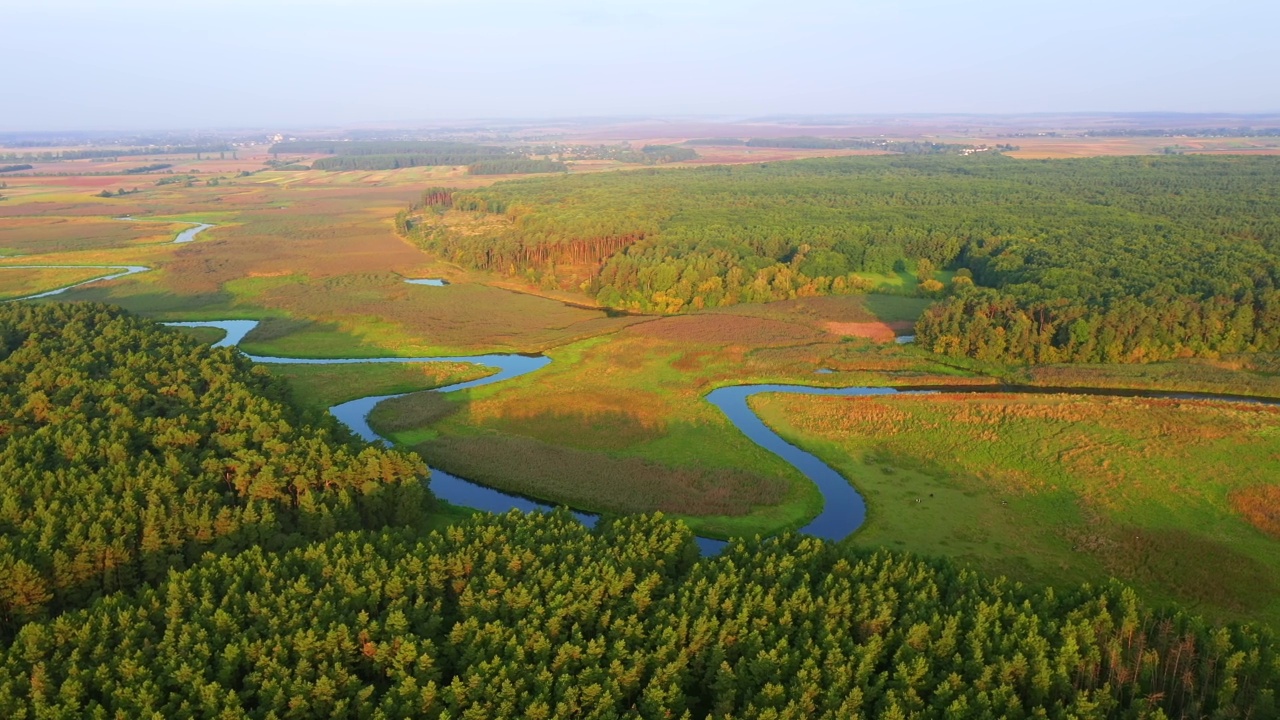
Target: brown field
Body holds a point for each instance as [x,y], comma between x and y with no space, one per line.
[317,249]
[817,312]
[320,387]
[246,159]
[28,235]
[717,329]
[1260,505]
[1252,374]
[880,332]
[1067,147]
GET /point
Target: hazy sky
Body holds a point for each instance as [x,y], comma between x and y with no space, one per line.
[117,64]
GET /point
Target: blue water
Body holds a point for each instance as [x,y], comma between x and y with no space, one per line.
[185,236]
[235,329]
[355,415]
[843,509]
[190,234]
[843,512]
[434,282]
[125,270]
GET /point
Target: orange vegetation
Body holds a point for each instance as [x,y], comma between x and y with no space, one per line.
[877,331]
[723,329]
[1260,505]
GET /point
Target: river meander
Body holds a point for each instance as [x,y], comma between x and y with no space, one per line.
[843,511]
[185,236]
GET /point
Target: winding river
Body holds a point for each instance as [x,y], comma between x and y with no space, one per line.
[355,414]
[843,511]
[121,271]
[185,236]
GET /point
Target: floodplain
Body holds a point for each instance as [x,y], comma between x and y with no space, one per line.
[1045,489]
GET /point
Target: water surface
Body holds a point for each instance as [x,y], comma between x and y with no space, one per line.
[844,509]
[446,486]
[190,234]
[124,271]
[185,236]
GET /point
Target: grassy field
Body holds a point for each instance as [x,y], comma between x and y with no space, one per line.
[619,423]
[20,282]
[1253,374]
[27,235]
[323,386]
[1176,497]
[317,253]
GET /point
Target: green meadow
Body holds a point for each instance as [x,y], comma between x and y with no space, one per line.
[1062,489]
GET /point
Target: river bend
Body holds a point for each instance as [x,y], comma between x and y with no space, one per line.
[844,509]
[185,236]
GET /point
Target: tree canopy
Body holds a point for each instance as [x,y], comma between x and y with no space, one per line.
[536,616]
[177,539]
[1185,250]
[128,449]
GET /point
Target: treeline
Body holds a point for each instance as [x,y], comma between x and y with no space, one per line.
[128,449]
[905,147]
[14,168]
[118,193]
[103,153]
[147,168]
[622,152]
[515,166]
[1244,131]
[388,147]
[1148,254]
[392,162]
[537,617]
[715,141]
[395,154]
[656,155]
[990,325]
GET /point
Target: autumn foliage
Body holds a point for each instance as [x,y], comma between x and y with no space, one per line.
[1260,505]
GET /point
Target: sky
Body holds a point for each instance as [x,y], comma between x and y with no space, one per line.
[193,64]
